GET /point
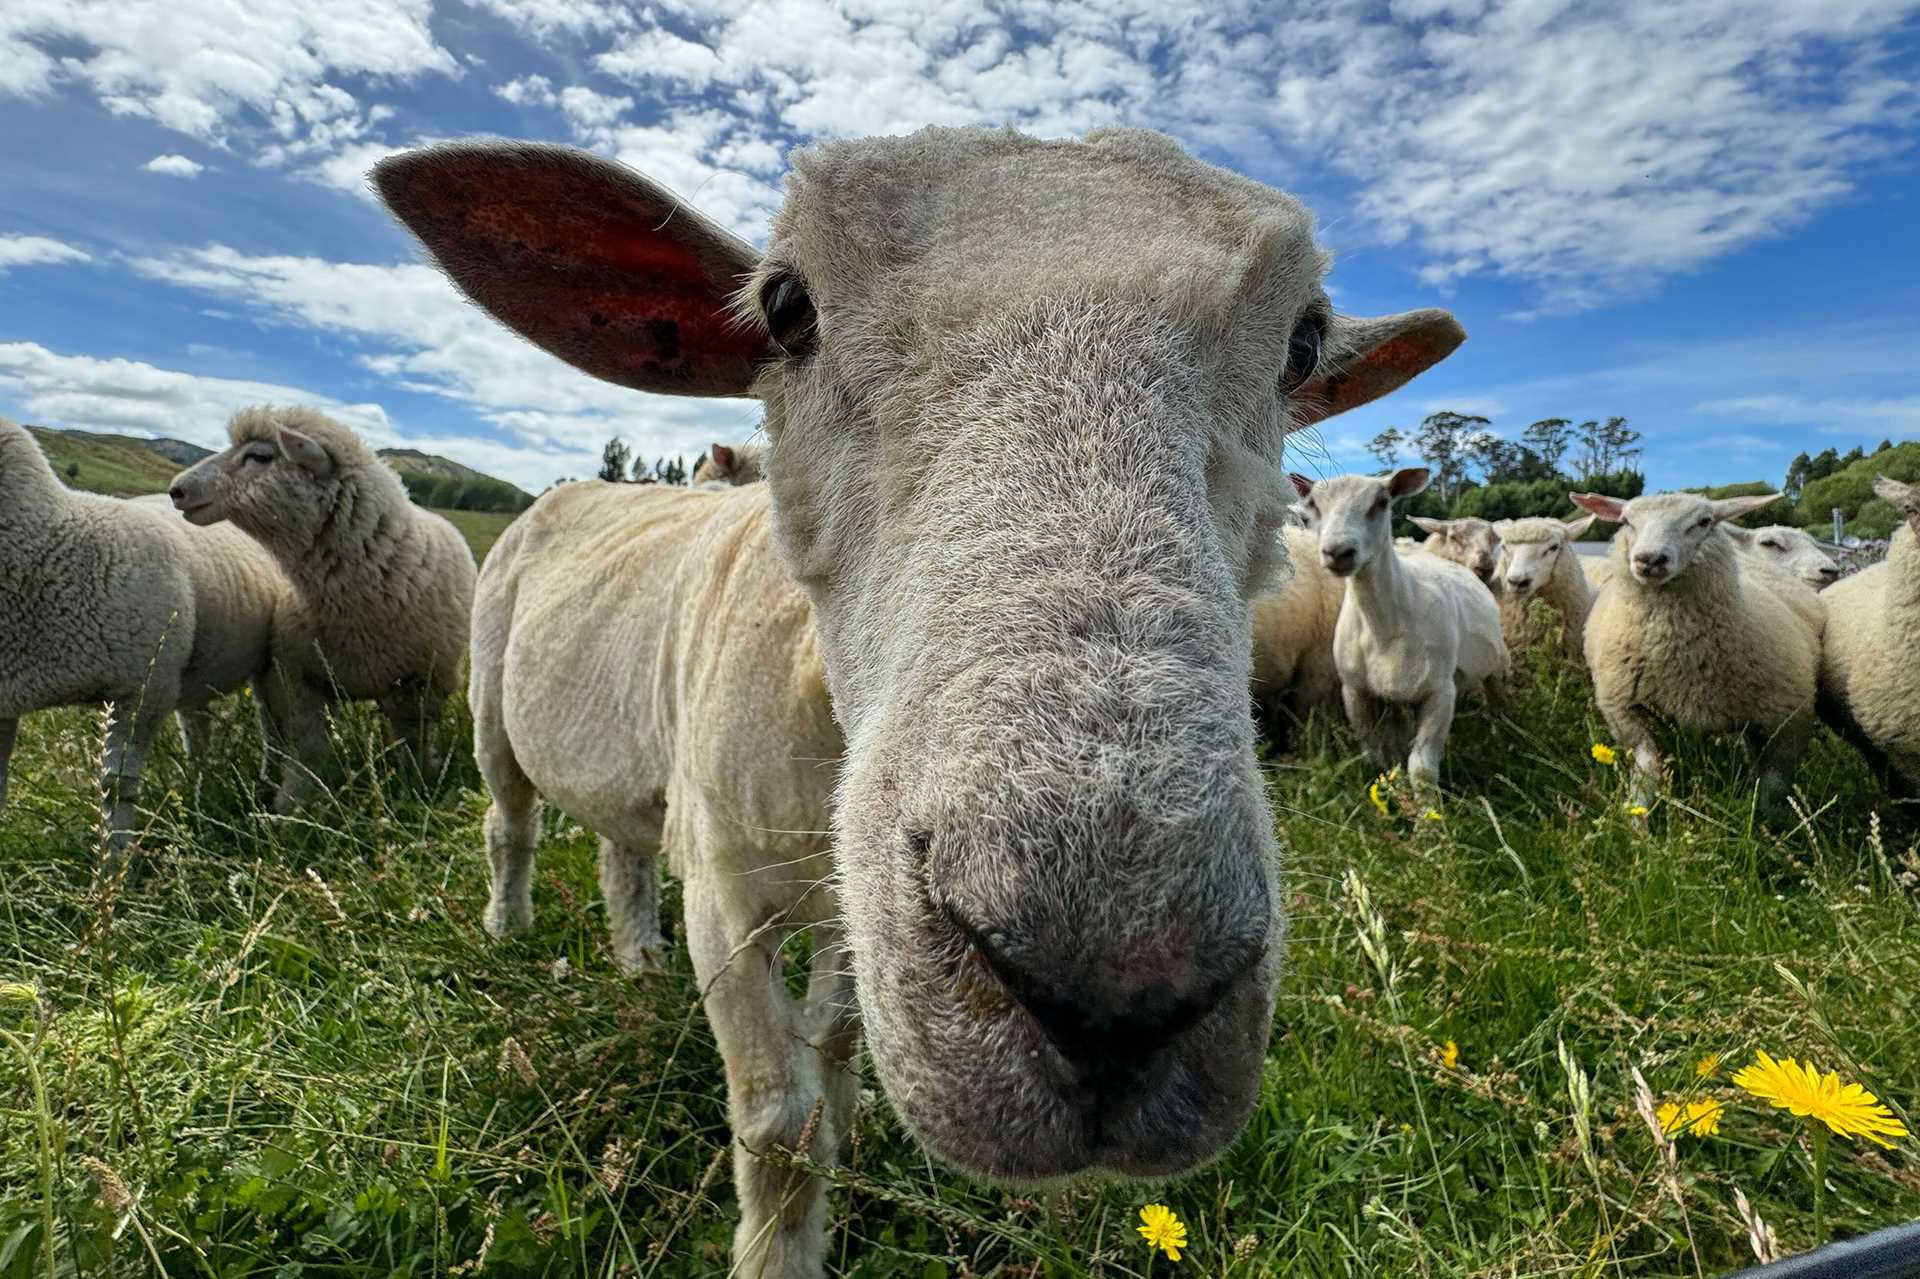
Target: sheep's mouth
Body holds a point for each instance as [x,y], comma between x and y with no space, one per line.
[196,513]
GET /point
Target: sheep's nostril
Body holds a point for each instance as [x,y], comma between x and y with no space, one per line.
[1519,583]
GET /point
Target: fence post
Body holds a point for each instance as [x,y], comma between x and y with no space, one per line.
[1839,526]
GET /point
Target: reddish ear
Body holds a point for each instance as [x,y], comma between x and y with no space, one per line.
[1301,484]
[722,459]
[585,258]
[1607,508]
[1407,481]
[1366,358]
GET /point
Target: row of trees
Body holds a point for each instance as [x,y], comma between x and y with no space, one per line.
[1804,470]
[1476,472]
[618,465]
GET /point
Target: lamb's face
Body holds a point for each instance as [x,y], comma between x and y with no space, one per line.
[275,488]
[1472,543]
[1026,403]
[1531,551]
[1352,515]
[1663,534]
[1791,550]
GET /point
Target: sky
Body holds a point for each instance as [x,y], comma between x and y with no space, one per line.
[1698,216]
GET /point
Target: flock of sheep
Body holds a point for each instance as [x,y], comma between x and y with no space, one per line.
[955,674]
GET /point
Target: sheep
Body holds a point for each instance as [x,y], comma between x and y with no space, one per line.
[1414,631]
[1791,550]
[1473,544]
[381,589]
[1052,856]
[1293,670]
[116,601]
[729,464]
[1690,629]
[1869,681]
[1539,562]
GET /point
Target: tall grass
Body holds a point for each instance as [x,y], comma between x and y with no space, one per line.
[285,1046]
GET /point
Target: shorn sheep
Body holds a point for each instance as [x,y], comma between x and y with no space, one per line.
[1415,631]
[1473,544]
[104,600]
[381,589]
[1293,670]
[1690,629]
[1053,860]
[1538,562]
[730,464]
[1869,679]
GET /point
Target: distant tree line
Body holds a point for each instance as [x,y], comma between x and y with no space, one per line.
[473,493]
[618,465]
[1479,473]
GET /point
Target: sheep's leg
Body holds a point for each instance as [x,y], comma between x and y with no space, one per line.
[196,731]
[9,729]
[512,825]
[1631,730]
[301,713]
[775,1081]
[130,733]
[411,711]
[1778,756]
[1364,715]
[630,881]
[1431,725]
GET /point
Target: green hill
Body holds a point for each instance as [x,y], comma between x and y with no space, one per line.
[119,465]
[1851,490]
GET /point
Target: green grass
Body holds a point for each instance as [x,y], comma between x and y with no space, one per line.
[289,1039]
[105,466]
[481,528]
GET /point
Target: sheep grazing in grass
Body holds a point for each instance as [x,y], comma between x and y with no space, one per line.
[1539,563]
[1869,679]
[729,464]
[104,600]
[1053,860]
[1472,543]
[1791,550]
[1415,631]
[1293,670]
[381,589]
[1690,629]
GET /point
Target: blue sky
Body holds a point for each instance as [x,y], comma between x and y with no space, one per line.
[1700,216]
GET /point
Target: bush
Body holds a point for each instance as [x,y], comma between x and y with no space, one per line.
[1851,490]
[1780,512]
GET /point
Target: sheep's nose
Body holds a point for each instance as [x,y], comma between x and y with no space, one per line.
[1652,563]
[1339,558]
[1097,1015]
[1519,583]
[1829,574]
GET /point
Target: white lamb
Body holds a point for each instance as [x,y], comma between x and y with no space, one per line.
[1415,631]
[1791,550]
[1473,544]
[726,465]
[1869,680]
[1539,562]
[1293,670]
[1691,630]
[381,589]
[104,600]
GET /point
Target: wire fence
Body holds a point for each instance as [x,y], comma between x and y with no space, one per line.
[1893,1253]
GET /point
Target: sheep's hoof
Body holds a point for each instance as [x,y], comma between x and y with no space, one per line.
[502,921]
[643,961]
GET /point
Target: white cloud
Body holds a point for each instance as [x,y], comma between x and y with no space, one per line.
[410,328]
[177,166]
[1892,416]
[36,250]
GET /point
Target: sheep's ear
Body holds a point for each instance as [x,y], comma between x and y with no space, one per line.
[723,459]
[1607,508]
[1576,527]
[1364,358]
[1744,536]
[585,258]
[304,452]
[1407,481]
[1904,496]
[1301,484]
[1732,508]
[1437,527]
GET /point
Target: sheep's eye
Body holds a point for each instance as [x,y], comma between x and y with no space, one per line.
[1770,544]
[791,320]
[262,456]
[1303,350]
[1703,521]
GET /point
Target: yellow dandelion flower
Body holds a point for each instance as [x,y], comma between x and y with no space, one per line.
[1636,810]
[1435,815]
[1707,1067]
[1848,1109]
[1450,1055]
[1604,754]
[1379,800]
[1162,1230]
[1701,1118]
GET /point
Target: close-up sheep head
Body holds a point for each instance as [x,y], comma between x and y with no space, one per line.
[1661,535]
[1026,404]
[275,480]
